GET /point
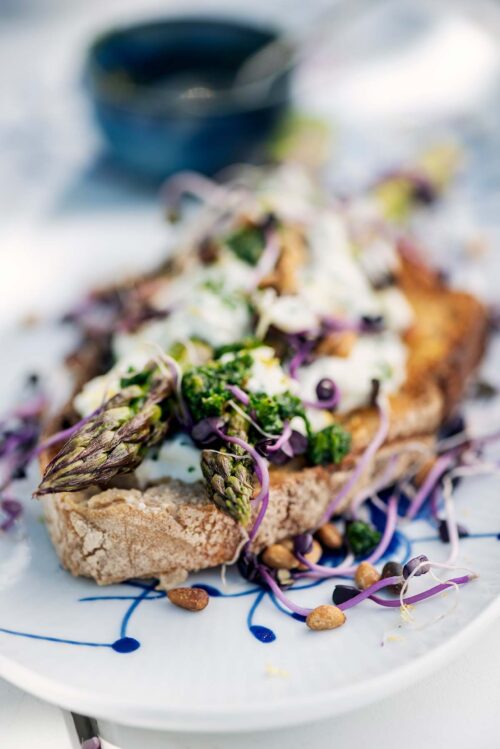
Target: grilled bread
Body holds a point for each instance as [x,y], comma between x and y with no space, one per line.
[172,528]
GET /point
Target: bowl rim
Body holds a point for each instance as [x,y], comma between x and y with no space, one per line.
[238,100]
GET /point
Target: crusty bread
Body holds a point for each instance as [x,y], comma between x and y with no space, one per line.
[172,528]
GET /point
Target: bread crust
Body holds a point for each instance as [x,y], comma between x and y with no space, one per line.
[172,528]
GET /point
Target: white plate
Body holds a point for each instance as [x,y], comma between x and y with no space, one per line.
[126,654]
[207,671]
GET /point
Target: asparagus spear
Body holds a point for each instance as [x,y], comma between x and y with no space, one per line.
[229,479]
[115,439]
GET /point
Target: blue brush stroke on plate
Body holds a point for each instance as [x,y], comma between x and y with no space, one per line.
[401,547]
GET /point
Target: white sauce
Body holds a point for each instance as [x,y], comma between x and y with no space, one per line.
[206,314]
[207,303]
[96,391]
[378,259]
[217,315]
[228,272]
[373,357]
[178,458]
[267,374]
[291,193]
[292,314]
[333,283]
[334,275]
[319,419]
[397,311]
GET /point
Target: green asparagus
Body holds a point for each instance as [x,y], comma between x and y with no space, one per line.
[229,478]
[115,439]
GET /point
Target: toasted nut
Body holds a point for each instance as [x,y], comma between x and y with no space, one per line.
[330,536]
[284,578]
[312,556]
[192,599]
[337,344]
[287,543]
[365,576]
[291,260]
[423,472]
[279,557]
[325,617]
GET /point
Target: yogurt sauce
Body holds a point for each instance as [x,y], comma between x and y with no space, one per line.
[209,303]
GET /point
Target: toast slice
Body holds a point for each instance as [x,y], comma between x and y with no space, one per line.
[172,528]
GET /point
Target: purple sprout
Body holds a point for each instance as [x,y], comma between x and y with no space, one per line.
[19,432]
[279,454]
[239,394]
[12,510]
[421,564]
[276,457]
[364,594]
[409,600]
[275,588]
[370,592]
[331,324]
[302,544]
[282,440]
[65,434]
[190,183]
[365,460]
[321,571]
[328,395]
[442,464]
[206,431]
[251,568]
[444,532]
[303,348]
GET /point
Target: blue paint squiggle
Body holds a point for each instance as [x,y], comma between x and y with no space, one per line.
[401,548]
[124,643]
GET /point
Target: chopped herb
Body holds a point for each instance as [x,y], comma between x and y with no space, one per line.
[247,243]
[136,378]
[191,469]
[205,387]
[329,445]
[362,537]
[271,411]
[246,344]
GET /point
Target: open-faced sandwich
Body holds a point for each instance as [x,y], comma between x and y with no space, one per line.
[294,355]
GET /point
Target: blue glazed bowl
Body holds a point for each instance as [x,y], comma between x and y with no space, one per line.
[164,98]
